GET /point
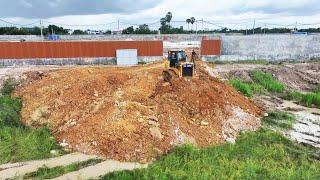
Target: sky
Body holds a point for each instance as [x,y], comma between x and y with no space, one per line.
[105,14]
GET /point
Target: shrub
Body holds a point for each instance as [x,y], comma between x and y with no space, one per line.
[9,112]
[8,86]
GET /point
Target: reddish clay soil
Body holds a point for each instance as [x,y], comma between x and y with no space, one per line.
[131,114]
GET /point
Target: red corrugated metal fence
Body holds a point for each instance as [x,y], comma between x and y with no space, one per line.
[210,47]
[27,50]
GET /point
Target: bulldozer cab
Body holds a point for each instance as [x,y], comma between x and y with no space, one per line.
[176,57]
[178,65]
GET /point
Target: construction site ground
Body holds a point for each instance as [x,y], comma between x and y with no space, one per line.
[131,114]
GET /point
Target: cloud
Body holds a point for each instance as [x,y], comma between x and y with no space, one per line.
[55,8]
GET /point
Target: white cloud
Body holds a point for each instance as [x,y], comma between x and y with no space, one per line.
[230,13]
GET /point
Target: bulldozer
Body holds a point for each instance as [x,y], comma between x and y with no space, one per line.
[177,65]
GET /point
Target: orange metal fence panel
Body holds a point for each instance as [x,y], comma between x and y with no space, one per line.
[210,47]
[27,50]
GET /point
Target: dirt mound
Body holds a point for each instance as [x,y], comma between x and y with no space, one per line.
[131,114]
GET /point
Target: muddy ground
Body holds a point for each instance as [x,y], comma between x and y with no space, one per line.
[302,77]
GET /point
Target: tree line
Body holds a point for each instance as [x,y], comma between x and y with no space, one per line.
[165,28]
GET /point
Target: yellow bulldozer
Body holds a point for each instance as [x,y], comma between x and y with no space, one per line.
[177,65]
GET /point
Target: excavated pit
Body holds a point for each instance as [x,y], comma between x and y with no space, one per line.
[132,114]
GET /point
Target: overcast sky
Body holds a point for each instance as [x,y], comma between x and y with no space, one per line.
[230,13]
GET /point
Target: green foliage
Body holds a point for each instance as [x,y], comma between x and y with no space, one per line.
[262,62]
[20,143]
[49,173]
[279,119]
[241,86]
[8,86]
[248,89]
[268,82]
[79,32]
[308,99]
[9,112]
[256,155]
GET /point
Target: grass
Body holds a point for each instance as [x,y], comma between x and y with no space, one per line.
[307,99]
[8,86]
[261,83]
[49,173]
[18,142]
[279,119]
[256,155]
[267,81]
[262,62]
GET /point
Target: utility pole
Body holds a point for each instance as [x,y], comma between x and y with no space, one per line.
[196,28]
[118,25]
[41,30]
[246,30]
[254,24]
[202,26]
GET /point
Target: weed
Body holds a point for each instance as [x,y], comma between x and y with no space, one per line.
[49,173]
[256,155]
[308,99]
[9,111]
[279,119]
[20,143]
[8,86]
[262,62]
[268,82]
[241,86]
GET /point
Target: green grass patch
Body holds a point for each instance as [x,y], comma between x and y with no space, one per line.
[8,86]
[18,142]
[22,144]
[49,173]
[279,119]
[256,155]
[268,82]
[262,62]
[308,99]
[248,89]
[261,83]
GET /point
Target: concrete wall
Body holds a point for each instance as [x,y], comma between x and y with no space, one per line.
[72,61]
[270,47]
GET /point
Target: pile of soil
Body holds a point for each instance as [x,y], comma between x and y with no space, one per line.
[132,114]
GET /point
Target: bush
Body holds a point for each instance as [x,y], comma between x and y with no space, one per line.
[9,112]
[268,82]
[8,86]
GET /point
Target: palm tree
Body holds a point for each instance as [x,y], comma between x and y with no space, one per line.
[192,21]
[188,21]
[169,17]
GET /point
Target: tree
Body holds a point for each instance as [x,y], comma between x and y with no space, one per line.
[192,21]
[143,29]
[188,21]
[129,30]
[78,32]
[168,17]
